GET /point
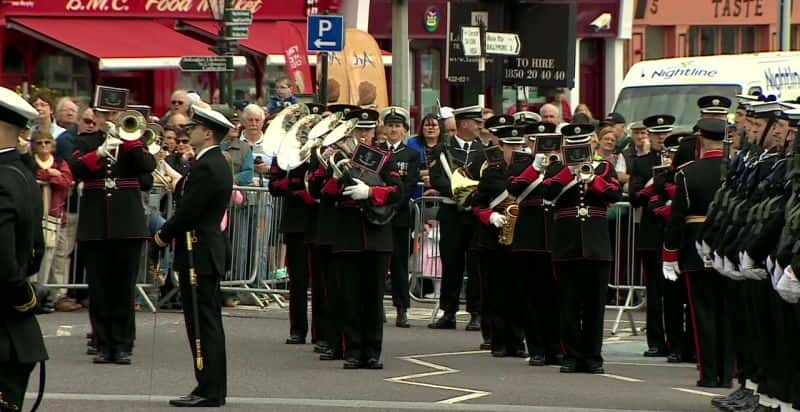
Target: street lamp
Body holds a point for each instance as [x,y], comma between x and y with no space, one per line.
[223,48]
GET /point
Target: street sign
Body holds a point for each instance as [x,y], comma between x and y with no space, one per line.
[237,32]
[206,64]
[238,16]
[325,33]
[502,43]
[471,40]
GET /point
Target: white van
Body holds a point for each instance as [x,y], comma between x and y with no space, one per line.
[672,86]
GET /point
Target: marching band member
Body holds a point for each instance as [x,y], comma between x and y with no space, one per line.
[532,247]
[395,119]
[502,298]
[649,240]
[695,187]
[202,198]
[581,191]
[21,342]
[463,151]
[114,173]
[363,245]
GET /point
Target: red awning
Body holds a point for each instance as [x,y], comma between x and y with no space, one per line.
[264,39]
[124,44]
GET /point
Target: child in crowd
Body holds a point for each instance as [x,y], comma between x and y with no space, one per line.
[285,96]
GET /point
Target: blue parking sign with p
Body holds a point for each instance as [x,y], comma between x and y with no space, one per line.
[325,33]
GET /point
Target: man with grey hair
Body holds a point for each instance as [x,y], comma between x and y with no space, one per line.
[67,113]
[253,117]
[449,119]
[550,114]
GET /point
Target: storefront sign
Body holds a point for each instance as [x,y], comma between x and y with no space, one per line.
[461,67]
[432,19]
[547,55]
[708,12]
[259,9]
[206,63]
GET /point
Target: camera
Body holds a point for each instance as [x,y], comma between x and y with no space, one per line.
[601,22]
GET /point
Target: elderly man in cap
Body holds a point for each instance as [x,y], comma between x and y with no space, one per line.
[21,342]
[202,253]
[462,153]
[408,165]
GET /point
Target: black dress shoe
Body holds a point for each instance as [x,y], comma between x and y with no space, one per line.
[122,358]
[674,358]
[654,353]
[596,368]
[519,353]
[373,363]
[321,347]
[402,318]
[448,321]
[707,383]
[351,363]
[195,401]
[295,340]
[91,350]
[568,367]
[486,345]
[330,354]
[556,359]
[499,352]
[537,360]
[103,358]
[474,322]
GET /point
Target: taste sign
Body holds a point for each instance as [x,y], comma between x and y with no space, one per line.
[150,8]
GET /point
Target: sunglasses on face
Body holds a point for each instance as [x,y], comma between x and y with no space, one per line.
[183,141]
[177,102]
[88,121]
[43,142]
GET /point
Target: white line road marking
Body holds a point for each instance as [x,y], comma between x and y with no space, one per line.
[660,365]
[439,370]
[64,330]
[696,392]
[622,378]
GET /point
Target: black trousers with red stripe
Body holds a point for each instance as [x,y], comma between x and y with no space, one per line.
[677,317]
[712,328]
[582,286]
[502,298]
[297,266]
[319,305]
[331,324]
[541,304]
[650,261]
[362,278]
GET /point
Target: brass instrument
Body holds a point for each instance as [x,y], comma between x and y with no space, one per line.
[585,172]
[550,146]
[290,152]
[341,139]
[153,138]
[551,158]
[280,125]
[506,236]
[130,125]
[462,186]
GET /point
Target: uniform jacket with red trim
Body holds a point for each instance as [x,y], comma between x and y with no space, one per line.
[535,221]
[580,226]
[112,213]
[298,204]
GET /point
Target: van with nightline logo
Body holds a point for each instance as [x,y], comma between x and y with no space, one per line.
[672,86]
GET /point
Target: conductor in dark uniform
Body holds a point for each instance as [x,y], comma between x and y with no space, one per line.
[21,342]
[581,190]
[112,231]
[457,223]
[408,165]
[202,196]
[695,187]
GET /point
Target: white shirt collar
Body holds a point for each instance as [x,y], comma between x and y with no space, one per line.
[202,152]
[257,143]
[462,141]
[395,146]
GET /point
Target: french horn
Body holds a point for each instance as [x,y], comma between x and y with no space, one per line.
[280,125]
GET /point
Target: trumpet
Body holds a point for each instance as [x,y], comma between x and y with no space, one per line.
[130,125]
[551,158]
[585,172]
[153,137]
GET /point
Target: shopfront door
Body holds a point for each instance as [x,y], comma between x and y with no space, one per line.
[592,75]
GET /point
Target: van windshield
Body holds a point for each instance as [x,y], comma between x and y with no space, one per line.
[636,103]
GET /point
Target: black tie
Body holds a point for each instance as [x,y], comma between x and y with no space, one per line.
[466,146]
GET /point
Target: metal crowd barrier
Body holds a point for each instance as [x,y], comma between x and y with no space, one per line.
[626,283]
[425,265]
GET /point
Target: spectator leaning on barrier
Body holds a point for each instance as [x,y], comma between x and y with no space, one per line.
[44,106]
[55,180]
[425,142]
[239,153]
[253,118]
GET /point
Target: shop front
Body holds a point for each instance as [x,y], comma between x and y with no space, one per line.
[68,46]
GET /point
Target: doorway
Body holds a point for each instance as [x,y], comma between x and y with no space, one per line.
[592,76]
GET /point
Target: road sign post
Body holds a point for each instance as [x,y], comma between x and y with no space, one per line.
[325,34]
[502,43]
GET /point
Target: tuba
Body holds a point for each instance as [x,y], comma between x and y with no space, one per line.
[290,153]
[280,125]
[506,236]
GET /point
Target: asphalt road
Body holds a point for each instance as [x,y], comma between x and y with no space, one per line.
[425,370]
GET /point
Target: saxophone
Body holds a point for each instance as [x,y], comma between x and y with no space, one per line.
[506,236]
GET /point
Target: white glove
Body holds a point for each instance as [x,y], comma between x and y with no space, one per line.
[776,274]
[670,270]
[699,248]
[730,269]
[497,220]
[538,161]
[746,261]
[358,191]
[109,145]
[788,286]
[770,264]
[706,249]
[718,264]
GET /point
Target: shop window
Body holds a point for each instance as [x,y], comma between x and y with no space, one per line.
[12,61]
[793,38]
[730,36]
[693,35]
[65,75]
[708,41]
[749,40]
[430,74]
[654,38]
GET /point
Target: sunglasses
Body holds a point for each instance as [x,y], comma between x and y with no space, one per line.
[87,121]
[43,142]
[178,102]
[183,141]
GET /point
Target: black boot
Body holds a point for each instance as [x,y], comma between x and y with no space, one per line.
[402,318]
[474,322]
[447,321]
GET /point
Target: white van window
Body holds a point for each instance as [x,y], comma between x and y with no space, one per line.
[636,103]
